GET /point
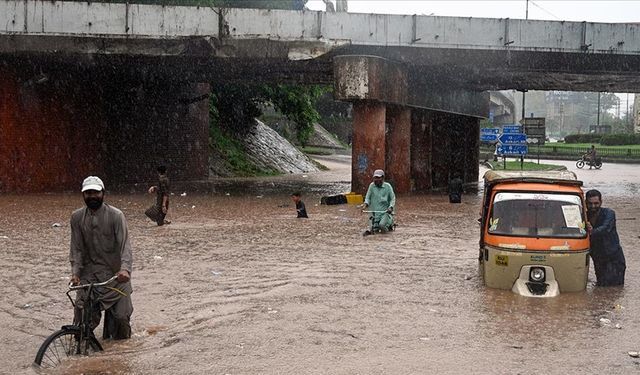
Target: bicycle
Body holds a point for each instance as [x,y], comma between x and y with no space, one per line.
[75,339]
[375,222]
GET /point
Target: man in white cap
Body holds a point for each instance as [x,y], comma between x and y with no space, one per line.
[380,200]
[100,249]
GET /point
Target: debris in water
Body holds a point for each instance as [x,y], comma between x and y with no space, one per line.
[56,225]
[517,346]
[259,196]
[157,257]
[605,321]
[4,237]
[26,306]
[634,354]
[618,326]
[183,194]
[216,273]
[227,194]
[194,206]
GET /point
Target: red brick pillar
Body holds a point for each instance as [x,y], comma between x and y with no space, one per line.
[398,159]
[368,148]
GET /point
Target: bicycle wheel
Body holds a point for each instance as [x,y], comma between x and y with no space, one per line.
[598,165]
[63,344]
[580,164]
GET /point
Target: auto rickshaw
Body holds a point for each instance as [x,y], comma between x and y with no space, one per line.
[533,237]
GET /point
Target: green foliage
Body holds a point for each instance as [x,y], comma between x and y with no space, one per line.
[236,105]
[297,103]
[620,139]
[583,138]
[485,123]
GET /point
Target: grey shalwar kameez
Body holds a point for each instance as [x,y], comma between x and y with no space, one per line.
[100,248]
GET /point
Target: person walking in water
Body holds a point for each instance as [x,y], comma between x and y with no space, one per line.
[608,259]
[100,249]
[300,208]
[381,201]
[158,212]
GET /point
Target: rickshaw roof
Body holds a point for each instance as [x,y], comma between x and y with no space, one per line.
[563,177]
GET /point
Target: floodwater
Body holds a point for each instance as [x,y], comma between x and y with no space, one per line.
[238,285]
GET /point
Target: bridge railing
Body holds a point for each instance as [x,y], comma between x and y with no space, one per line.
[103,18]
[574,152]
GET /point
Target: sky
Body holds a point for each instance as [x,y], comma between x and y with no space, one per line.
[591,11]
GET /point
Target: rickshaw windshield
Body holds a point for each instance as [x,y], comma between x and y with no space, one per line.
[537,215]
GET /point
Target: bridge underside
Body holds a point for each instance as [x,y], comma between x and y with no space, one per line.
[117,107]
[207,59]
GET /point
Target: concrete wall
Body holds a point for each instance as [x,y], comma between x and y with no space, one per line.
[94,18]
[53,134]
[50,135]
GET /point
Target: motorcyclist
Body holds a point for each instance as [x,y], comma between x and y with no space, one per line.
[590,156]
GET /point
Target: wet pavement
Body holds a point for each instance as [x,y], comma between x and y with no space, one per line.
[237,285]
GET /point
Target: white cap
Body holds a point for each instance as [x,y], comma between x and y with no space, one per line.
[92,183]
[378,173]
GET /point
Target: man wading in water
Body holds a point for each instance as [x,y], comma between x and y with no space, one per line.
[380,200]
[100,248]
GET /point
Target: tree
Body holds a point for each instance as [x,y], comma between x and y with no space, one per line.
[234,106]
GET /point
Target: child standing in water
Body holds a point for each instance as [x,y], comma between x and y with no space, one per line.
[302,211]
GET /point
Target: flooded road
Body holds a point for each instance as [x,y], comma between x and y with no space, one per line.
[237,285]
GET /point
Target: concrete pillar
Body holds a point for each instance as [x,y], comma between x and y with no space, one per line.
[51,133]
[421,137]
[368,149]
[398,144]
[441,150]
[56,132]
[472,145]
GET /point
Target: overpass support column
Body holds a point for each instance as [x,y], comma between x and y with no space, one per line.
[421,149]
[398,155]
[472,143]
[369,143]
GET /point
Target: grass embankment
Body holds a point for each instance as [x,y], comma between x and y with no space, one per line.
[526,166]
[234,154]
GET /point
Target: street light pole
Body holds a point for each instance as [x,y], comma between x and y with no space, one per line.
[598,121]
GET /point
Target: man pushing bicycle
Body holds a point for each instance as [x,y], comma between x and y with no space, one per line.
[100,248]
[380,201]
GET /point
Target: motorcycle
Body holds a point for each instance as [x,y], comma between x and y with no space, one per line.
[585,160]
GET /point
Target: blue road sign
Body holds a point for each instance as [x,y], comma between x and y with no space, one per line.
[513,149]
[513,139]
[511,129]
[489,131]
[488,137]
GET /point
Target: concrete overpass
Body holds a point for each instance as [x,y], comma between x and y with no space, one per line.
[417,82]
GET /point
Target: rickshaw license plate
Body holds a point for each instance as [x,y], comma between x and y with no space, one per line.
[502,260]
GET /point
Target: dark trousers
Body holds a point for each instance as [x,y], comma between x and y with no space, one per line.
[609,272]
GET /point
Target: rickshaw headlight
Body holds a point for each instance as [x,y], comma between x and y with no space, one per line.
[537,274]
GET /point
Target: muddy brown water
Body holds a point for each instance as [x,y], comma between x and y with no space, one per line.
[237,285]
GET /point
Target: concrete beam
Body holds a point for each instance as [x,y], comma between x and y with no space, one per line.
[382,80]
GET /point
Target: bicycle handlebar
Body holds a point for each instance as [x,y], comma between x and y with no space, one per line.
[75,287]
